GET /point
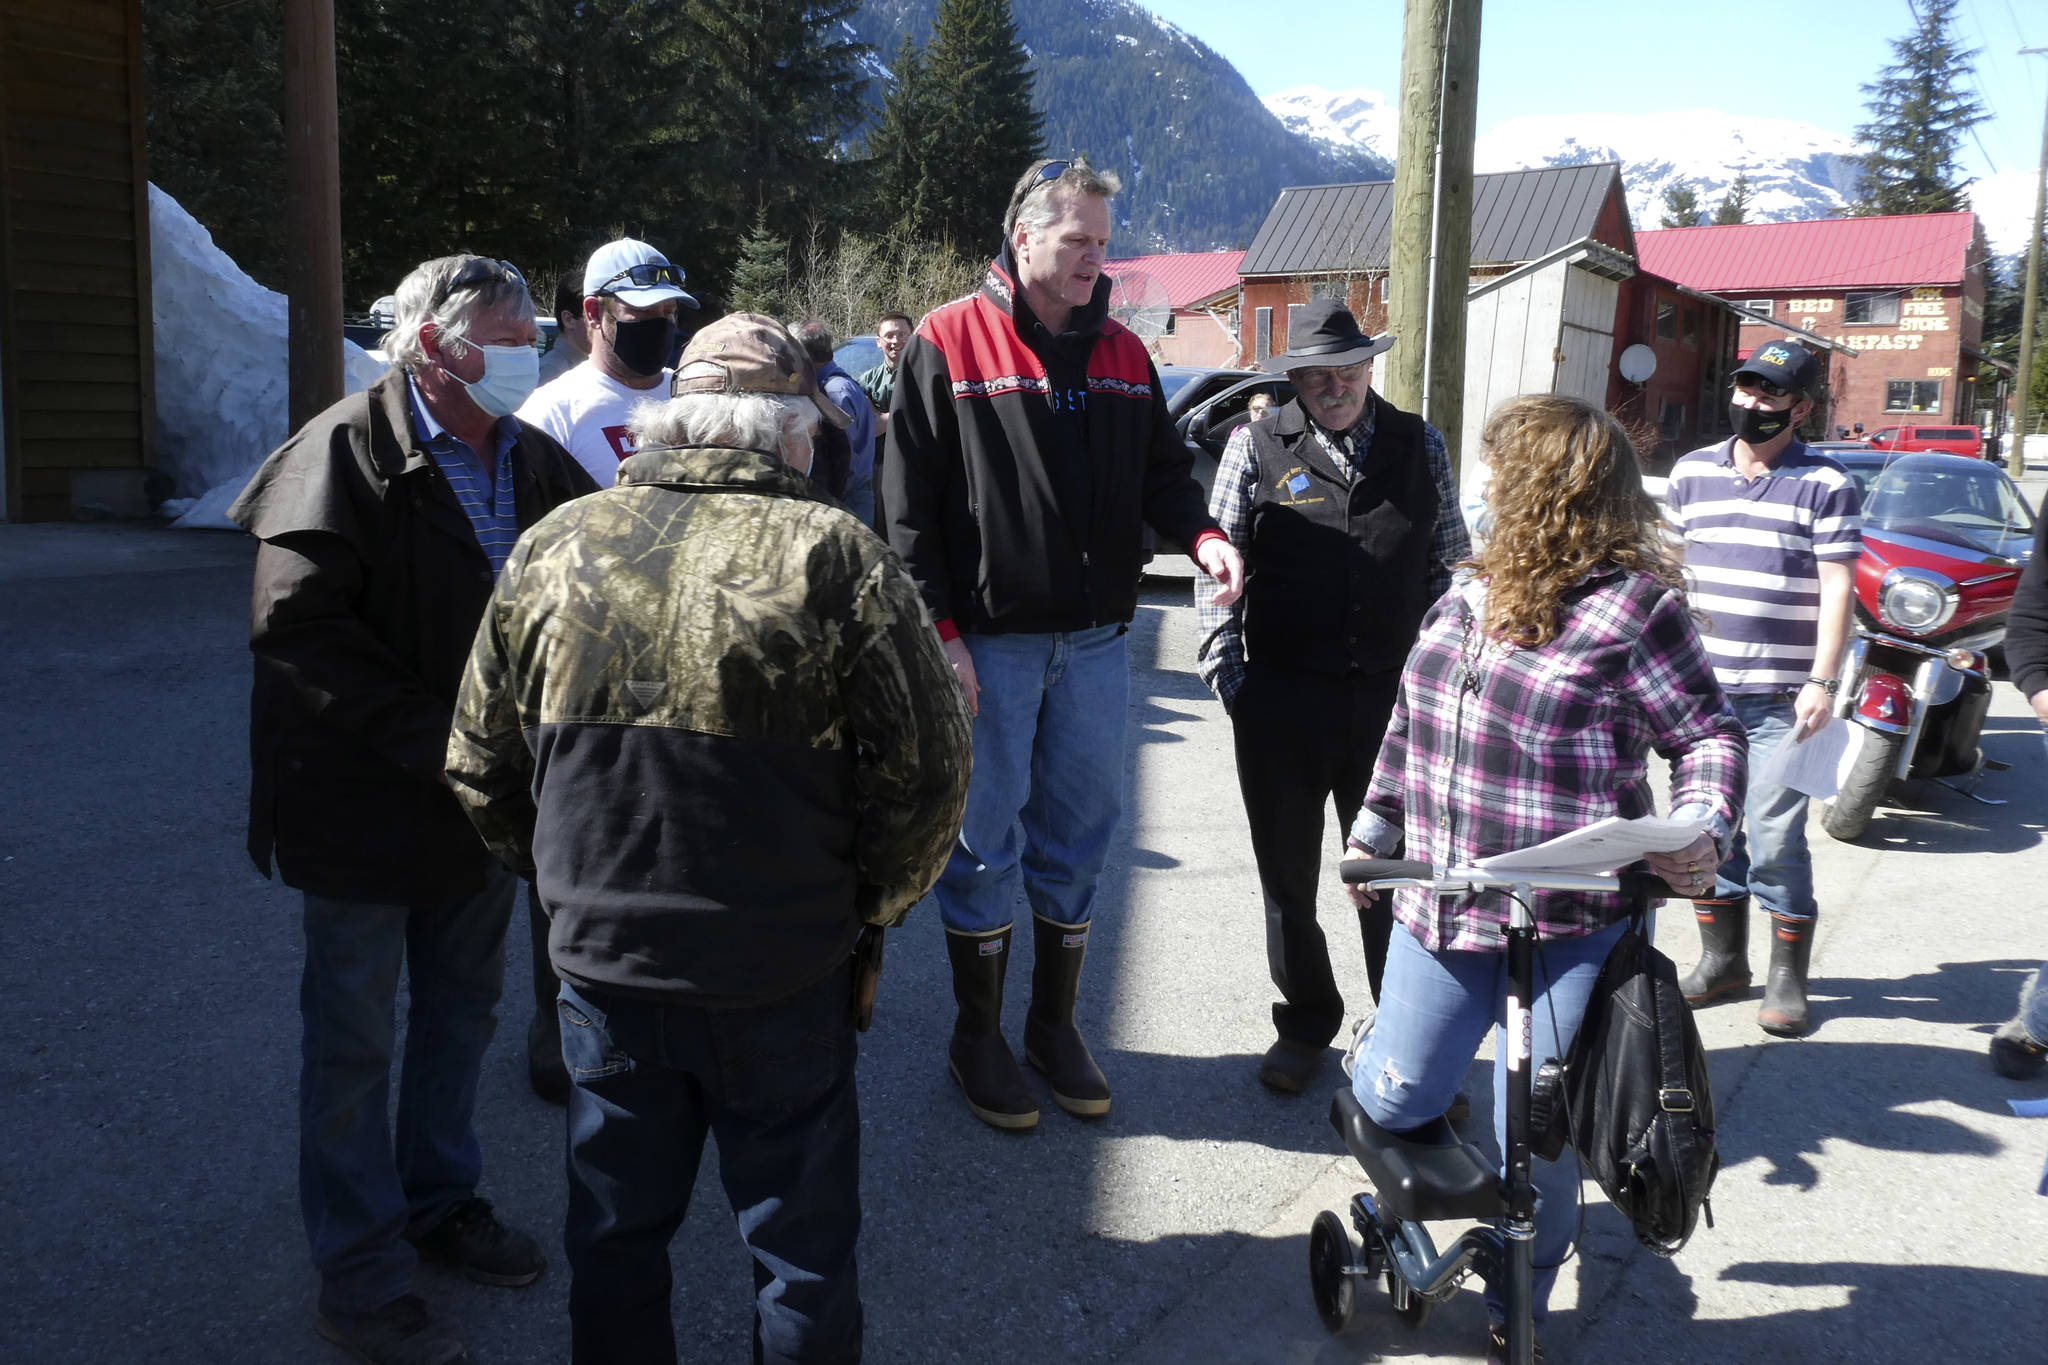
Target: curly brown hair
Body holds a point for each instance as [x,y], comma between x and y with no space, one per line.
[1567,498]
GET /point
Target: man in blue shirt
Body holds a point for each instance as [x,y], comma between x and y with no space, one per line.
[843,389]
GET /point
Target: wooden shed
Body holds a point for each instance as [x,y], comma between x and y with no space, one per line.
[76,403]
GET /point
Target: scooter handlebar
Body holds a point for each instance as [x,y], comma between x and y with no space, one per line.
[1356,870]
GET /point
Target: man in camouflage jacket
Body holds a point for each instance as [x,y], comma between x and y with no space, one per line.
[707,712]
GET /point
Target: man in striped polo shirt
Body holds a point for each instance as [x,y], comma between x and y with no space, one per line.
[1772,531]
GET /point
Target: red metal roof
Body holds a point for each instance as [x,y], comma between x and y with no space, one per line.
[1828,253]
[1188,276]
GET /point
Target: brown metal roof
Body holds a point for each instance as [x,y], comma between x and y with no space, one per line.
[1516,216]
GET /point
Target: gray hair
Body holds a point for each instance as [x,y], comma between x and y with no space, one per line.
[1031,197]
[423,297]
[742,421]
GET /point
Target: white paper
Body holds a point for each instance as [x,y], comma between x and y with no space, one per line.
[1601,846]
[1816,766]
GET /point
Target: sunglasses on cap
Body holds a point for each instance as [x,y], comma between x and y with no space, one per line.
[1764,387]
[645,276]
[480,271]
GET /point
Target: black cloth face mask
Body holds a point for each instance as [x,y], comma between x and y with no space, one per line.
[643,345]
[1754,426]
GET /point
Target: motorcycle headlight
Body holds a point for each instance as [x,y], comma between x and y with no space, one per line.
[1916,601]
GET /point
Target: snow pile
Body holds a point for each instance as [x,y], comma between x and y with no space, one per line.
[220,367]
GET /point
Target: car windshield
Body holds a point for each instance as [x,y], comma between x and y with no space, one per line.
[1963,504]
[1173,381]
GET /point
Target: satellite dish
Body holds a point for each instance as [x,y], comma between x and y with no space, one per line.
[1140,302]
[1638,363]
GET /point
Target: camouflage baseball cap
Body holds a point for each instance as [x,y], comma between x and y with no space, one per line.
[749,353]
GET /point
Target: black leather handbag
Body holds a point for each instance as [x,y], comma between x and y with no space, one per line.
[1633,1098]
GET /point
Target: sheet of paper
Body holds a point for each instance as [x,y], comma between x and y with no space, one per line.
[1601,846]
[1817,766]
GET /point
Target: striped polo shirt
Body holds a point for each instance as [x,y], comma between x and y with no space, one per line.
[1752,554]
[485,495]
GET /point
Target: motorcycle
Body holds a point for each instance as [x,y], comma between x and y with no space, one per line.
[1945,539]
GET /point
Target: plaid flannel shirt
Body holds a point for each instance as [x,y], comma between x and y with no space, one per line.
[1494,748]
[1221,656]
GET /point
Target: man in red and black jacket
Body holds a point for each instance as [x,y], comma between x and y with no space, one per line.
[1029,445]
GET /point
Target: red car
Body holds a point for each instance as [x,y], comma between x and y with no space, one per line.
[1952,440]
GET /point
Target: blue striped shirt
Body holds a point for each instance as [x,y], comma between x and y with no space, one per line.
[1753,549]
[485,495]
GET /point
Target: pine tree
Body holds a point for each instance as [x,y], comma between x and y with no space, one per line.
[1681,205]
[904,147]
[1735,204]
[1920,110]
[976,72]
[760,279]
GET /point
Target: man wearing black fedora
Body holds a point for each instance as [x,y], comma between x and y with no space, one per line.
[1346,512]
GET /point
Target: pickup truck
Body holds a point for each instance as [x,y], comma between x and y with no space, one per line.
[1953,440]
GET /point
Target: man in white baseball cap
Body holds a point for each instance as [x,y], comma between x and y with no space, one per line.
[630,296]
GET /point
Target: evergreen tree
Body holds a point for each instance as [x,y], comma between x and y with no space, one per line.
[975,93]
[1920,111]
[1681,205]
[760,278]
[904,148]
[1735,205]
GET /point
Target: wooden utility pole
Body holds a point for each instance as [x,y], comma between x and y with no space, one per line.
[1431,265]
[312,138]
[2023,382]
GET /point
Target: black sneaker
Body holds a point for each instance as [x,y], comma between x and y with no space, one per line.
[1497,1346]
[472,1240]
[402,1332]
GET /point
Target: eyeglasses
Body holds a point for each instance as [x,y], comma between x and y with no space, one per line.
[645,276]
[1764,387]
[1050,171]
[480,271]
[1343,374]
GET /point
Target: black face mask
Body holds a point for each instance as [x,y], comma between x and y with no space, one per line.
[643,345]
[1754,426]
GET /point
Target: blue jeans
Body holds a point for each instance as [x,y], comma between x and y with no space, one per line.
[859,499]
[360,1191]
[1048,782]
[1769,860]
[1434,1011]
[774,1084]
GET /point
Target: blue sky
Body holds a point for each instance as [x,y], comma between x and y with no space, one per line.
[1576,57]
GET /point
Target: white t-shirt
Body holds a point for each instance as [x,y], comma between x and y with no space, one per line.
[587,411]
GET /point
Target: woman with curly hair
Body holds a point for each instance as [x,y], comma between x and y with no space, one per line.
[1562,655]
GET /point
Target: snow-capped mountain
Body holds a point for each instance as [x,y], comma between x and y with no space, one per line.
[1342,120]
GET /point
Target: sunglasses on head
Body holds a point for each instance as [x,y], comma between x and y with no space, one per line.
[1764,387]
[645,276]
[480,271]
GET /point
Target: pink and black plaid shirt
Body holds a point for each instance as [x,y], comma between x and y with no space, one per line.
[1493,749]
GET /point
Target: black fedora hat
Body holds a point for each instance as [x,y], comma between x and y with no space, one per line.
[1322,333]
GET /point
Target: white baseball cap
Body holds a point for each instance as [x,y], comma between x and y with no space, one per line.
[634,273]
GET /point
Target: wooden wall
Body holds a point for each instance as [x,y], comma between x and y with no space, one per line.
[75,342]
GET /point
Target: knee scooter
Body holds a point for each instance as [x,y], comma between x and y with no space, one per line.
[1433,1175]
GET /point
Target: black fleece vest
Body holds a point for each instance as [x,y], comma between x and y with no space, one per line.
[1339,569]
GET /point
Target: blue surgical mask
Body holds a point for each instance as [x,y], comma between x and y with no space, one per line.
[511,373]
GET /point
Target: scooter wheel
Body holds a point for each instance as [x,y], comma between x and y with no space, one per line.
[1329,1272]
[1409,1306]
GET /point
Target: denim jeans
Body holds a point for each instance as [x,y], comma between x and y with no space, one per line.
[1048,782]
[859,499]
[1434,1011]
[774,1084]
[359,1190]
[1769,860]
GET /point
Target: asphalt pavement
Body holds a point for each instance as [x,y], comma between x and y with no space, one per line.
[1877,1203]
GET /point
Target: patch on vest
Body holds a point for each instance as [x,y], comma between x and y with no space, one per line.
[1292,485]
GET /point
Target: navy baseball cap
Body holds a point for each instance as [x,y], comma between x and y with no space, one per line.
[1790,367]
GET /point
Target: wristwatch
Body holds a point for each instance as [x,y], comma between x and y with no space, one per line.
[1828,685]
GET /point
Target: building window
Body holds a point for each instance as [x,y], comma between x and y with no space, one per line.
[1171,320]
[1692,326]
[1912,395]
[1671,421]
[1758,306]
[1667,320]
[1873,309]
[1262,334]
[1330,289]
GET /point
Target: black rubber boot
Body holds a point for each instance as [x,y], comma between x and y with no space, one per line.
[545,1071]
[981,1062]
[2015,1053]
[1051,1042]
[1784,1008]
[1722,973]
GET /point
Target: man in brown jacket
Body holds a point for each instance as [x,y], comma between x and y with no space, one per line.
[383,524]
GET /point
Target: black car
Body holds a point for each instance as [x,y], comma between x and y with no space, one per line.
[1207,407]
